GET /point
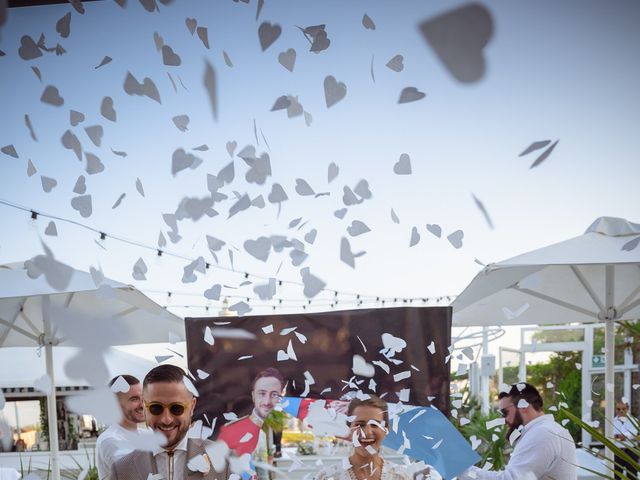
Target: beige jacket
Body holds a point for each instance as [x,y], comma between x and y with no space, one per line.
[139,464]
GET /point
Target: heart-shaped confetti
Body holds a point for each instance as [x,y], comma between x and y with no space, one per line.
[268,33]
[106,59]
[169,57]
[51,95]
[303,188]
[334,91]
[357,228]
[455,238]
[288,59]
[210,85]
[410,94]
[9,150]
[396,63]
[28,48]
[31,169]
[120,385]
[48,184]
[94,165]
[361,367]
[107,110]
[63,26]
[458,37]
[191,23]
[259,248]
[95,133]
[76,117]
[227,59]
[435,229]
[203,35]
[403,165]
[277,194]
[83,205]
[80,187]
[368,23]
[147,88]
[415,237]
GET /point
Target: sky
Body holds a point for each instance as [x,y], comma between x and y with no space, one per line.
[560,71]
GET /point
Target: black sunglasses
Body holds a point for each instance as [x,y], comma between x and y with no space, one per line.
[505,411]
[156,408]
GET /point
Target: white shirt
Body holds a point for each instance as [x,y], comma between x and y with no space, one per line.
[177,464]
[623,426]
[111,445]
[544,451]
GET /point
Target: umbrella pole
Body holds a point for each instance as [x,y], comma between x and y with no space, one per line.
[609,396]
[609,345]
[52,413]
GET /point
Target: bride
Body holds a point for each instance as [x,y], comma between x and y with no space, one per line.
[368,426]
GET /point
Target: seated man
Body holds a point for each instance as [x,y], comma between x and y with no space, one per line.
[543,450]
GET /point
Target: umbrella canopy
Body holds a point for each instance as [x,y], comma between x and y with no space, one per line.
[591,278]
[32,366]
[133,314]
[115,313]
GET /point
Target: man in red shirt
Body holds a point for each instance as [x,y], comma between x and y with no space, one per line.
[266,391]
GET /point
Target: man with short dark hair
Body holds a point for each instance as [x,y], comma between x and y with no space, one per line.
[112,443]
[266,391]
[543,449]
[169,406]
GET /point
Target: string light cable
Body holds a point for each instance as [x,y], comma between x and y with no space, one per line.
[35,213]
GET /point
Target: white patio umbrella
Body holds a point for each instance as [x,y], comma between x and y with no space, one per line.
[591,278]
[26,303]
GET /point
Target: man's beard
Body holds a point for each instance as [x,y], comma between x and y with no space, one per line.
[517,421]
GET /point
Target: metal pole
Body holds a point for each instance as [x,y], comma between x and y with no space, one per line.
[51,397]
[15,409]
[587,364]
[609,337]
[484,380]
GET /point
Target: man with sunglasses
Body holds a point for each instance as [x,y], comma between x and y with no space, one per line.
[266,391]
[544,450]
[168,409]
[112,443]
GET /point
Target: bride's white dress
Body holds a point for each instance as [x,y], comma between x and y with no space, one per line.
[390,471]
